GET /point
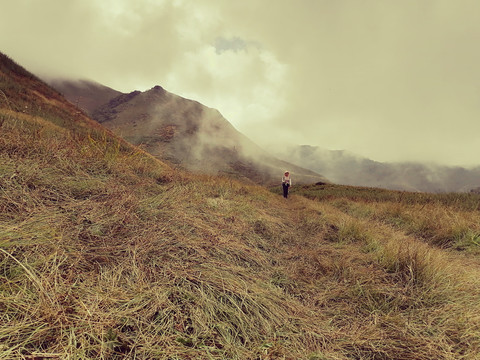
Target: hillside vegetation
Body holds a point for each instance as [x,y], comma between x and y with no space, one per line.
[108,253]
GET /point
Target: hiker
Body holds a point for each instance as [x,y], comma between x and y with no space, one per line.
[286,183]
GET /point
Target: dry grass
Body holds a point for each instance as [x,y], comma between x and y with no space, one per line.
[450,221]
[107,253]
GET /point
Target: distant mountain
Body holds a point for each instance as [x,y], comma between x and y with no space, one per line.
[86,95]
[342,167]
[183,132]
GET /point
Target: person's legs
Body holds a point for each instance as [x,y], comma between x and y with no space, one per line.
[285,190]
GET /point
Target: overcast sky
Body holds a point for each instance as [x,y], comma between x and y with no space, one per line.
[391,80]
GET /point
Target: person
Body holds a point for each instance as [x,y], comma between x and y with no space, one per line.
[286,183]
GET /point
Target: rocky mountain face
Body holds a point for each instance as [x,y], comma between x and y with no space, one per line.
[183,132]
[349,169]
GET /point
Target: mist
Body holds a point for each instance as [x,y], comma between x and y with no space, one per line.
[342,167]
[390,81]
[180,131]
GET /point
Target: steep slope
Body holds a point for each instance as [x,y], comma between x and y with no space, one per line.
[107,253]
[24,95]
[190,135]
[346,168]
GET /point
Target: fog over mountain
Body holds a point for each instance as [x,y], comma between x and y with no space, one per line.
[181,131]
[191,135]
[346,168]
[393,81]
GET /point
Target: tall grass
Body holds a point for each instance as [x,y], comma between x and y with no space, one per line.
[404,293]
[108,253]
[459,201]
[444,220]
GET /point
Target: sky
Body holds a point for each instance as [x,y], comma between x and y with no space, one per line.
[391,80]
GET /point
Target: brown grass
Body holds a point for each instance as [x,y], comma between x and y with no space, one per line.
[107,253]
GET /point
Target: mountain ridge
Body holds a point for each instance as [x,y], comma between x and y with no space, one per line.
[343,167]
[338,166]
[191,135]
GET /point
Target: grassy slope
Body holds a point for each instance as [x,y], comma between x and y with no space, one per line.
[108,253]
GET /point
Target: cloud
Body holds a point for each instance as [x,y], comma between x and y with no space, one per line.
[223,44]
[250,77]
[390,80]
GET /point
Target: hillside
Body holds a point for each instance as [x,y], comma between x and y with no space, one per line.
[184,133]
[108,253]
[342,167]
